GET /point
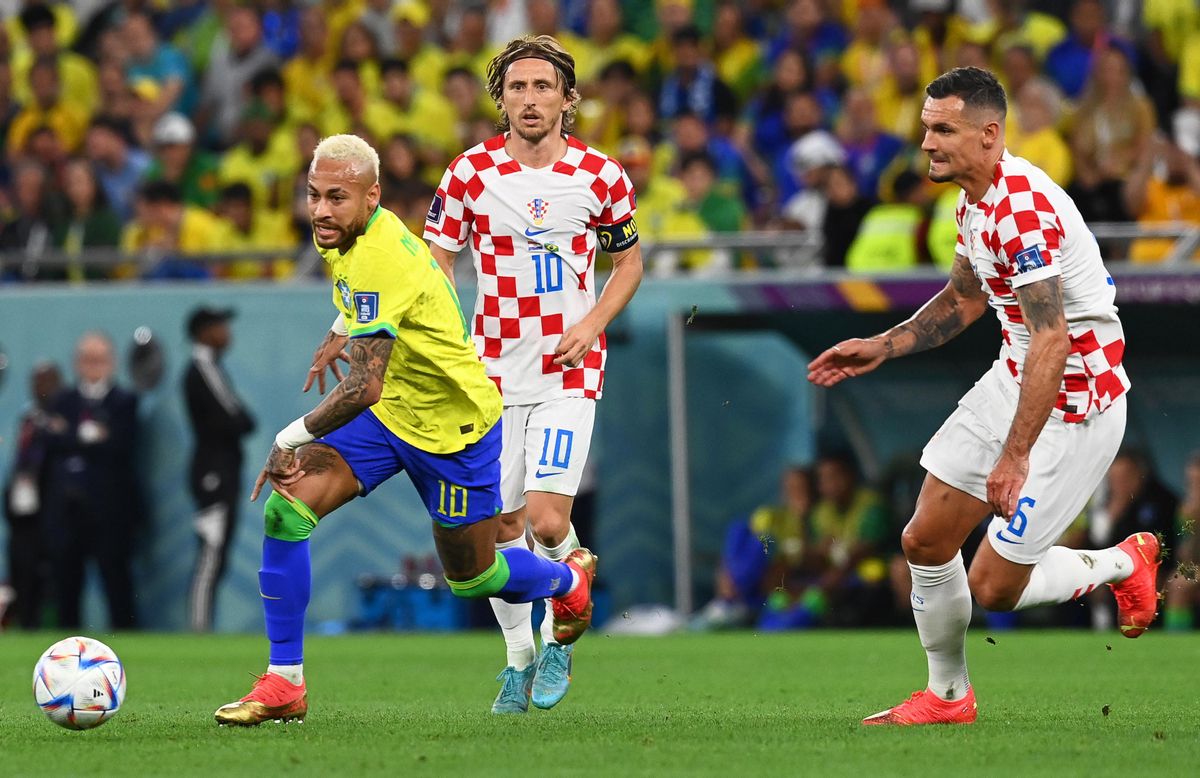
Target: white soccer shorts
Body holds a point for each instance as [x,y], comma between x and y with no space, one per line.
[545,447]
[1065,465]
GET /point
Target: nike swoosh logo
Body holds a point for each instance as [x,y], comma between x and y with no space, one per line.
[529,233]
[540,474]
[268,597]
[1006,540]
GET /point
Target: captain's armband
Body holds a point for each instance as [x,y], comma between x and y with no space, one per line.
[617,237]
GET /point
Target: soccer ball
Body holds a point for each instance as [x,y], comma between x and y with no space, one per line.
[79,683]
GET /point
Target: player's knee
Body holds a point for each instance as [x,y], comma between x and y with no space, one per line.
[486,584]
[293,521]
[923,548]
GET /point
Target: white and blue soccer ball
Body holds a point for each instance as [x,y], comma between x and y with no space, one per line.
[79,683]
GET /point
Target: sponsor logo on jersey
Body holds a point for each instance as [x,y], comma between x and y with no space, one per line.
[366,306]
[537,209]
[1028,259]
[435,210]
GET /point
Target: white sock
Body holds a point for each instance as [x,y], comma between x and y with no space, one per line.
[941,603]
[1069,573]
[557,553]
[294,674]
[516,621]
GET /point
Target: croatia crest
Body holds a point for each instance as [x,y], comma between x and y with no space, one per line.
[537,209]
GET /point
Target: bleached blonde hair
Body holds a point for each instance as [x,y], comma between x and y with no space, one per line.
[352,149]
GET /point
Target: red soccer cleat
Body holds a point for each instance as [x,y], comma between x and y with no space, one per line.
[1137,595]
[573,611]
[273,698]
[924,707]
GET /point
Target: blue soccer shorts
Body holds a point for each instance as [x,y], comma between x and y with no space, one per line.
[458,489]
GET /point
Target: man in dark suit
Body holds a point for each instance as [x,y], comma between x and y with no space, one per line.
[92,502]
[219,422]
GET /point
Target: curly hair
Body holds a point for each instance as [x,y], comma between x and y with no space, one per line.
[544,47]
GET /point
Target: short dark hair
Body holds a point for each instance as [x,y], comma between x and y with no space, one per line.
[160,192]
[239,191]
[978,88]
[37,16]
[698,158]
[393,64]
[267,77]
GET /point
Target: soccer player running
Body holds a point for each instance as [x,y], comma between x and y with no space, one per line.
[536,204]
[1030,442]
[415,398]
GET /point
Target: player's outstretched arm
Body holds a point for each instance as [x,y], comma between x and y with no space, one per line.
[1049,346]
[360,390]
[332,349]
[579,339]
[948,313]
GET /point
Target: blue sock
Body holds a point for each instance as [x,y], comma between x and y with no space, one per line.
[530,577]
[284,582]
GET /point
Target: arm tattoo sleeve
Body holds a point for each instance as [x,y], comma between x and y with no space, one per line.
[1042,305]
[368,364]
[950,312]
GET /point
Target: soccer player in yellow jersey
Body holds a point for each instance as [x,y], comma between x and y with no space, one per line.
[415,398]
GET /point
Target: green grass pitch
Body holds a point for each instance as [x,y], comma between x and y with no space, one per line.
[1051,703]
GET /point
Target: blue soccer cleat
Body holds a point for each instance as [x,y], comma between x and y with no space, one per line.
[553,676]
[514,692]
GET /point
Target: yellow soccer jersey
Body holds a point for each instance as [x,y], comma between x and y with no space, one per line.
[436,394]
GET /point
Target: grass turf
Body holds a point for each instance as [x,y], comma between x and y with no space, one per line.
[1050,703]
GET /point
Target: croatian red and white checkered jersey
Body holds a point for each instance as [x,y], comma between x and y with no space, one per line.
[533,238]
[1025,229]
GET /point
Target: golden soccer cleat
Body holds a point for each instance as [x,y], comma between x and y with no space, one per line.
[273,698]
[573,611]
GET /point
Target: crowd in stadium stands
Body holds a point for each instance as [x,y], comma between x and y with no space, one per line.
[828,553]
[168,130]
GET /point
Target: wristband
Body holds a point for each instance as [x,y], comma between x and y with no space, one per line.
[339,326]
[293,436]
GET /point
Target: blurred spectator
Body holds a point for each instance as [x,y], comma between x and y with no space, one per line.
[1012,23]
[48,108]
[693,86]
[25,234]
[92,511]
[281,28]
[158,63]
[426,60]
[469,48]
[76,73]
[942,238]
[869,150]
[178,161]
[606,42]
[887,239]
[1182,591]
[1135,500]
[1186,125]
[254,231]
[602,118]
[768,131]
[237,55]
[850,527]
[354,108]
[1110,132]
[900,95]
[44,148]
[865,62]
[811,159]
[1039,109]
[119,165]
[219,421]
[1166,24]
[1164,187]
[25,497]
[307,75]
[1070,62]
[543,18]
[845,209]
[377,19]
[768,554]
[802,115]
[358,47]
[166,232]
[937,33]
[264,159]
[737,56]
[424,114]
[1019,67]
[84,220]
[661,212]
[808,29]
[465,92]
[307,137]
[9,107]
[720,209]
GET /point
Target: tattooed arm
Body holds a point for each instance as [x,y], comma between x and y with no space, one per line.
[948,313]
[1049,345]
[359,391]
